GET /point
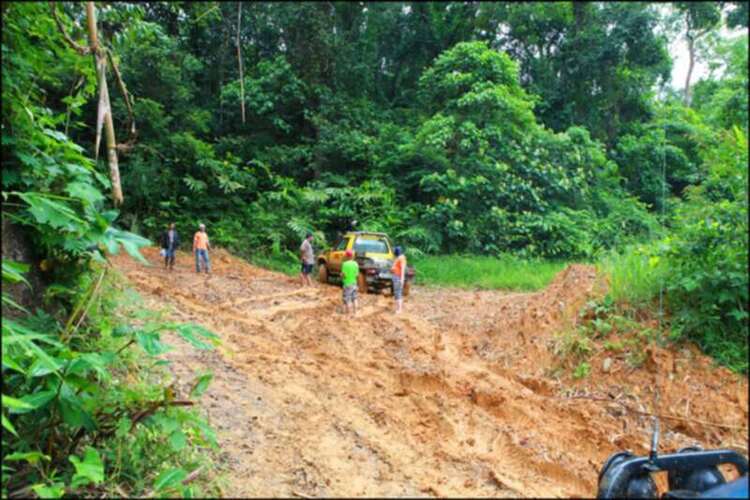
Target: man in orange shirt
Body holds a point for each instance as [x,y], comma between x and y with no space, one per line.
[200,249]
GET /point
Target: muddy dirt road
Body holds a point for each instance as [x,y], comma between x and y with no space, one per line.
[458,396]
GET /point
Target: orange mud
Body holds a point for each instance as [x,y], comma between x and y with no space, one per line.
[455,397]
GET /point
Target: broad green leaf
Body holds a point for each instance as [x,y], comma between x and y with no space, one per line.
[13,271]
[56,490]
[169,479]
[89,470]
[84,191]
[177,440]
[190,332]
[201,384]
[10,363]
[15,404]
[35,401]
[130,241]
[31,457]
[122,330]
[56,134]
[71,408]
[8,426]
[167,423]
[40,368]
[55,213]
[150,343]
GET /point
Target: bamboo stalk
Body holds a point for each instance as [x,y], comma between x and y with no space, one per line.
[105,109]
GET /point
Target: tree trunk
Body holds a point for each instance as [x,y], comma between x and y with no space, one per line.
[239,61]
[691,63]
[104,112]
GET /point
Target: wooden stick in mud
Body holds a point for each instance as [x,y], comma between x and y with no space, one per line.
[301,495]
[669,417]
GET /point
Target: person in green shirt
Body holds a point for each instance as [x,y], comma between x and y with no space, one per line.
[349,273]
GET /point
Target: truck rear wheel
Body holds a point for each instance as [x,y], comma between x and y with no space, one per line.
[361,283]
[323,274]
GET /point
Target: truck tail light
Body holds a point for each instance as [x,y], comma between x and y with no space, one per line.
[372,271]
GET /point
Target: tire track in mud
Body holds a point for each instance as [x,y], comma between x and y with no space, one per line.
[450,398]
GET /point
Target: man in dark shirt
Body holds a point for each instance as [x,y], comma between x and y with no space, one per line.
[170,240]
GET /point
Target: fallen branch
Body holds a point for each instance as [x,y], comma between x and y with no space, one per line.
[91,301]
[23,492]
[88,299]
[155,406]
[659,415]
[193,475]
[128,103]
[301,495]
[127,344]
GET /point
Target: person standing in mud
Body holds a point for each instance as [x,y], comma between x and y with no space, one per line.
[200,249]
[398,275]
[307,256]
[170,240]
[349,274]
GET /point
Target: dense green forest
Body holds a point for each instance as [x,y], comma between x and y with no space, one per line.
[536,130]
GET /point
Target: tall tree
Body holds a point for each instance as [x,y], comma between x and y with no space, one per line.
[698,18]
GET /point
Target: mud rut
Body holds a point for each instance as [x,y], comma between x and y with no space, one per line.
[453,398]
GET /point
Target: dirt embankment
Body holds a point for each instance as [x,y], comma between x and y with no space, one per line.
[455,397]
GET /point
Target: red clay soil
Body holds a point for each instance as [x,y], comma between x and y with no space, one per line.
[457,396]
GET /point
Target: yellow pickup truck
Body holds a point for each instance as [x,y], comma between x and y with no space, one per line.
[374,254]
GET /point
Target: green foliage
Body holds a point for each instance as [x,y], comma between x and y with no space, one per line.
[724,101]
[68,414]
[478,271]
[634,275]
[582,370]
[572,343]
[708,252]
[66,391]
[701,266]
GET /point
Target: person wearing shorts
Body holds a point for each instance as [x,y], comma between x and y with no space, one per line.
[398,275]
[307,256]
[349,274]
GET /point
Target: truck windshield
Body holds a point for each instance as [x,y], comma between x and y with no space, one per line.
[370,245]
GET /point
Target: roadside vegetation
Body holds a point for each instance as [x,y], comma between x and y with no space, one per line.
[484,272]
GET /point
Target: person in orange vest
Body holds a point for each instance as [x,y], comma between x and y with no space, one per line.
[200,249]
[398,275]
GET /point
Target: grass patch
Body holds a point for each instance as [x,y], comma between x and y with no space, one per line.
[279,263]
[504,272]
[634,277]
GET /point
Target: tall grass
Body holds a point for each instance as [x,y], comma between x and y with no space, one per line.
[634,276]
[505,272]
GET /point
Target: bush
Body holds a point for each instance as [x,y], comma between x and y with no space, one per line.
[708,254]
